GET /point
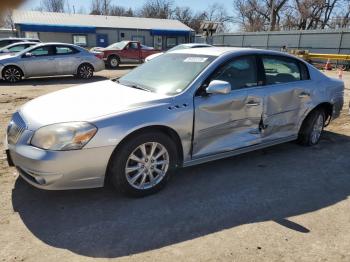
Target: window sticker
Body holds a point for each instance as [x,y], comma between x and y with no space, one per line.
[195,59]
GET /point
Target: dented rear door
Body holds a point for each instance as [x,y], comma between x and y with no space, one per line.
[286,97]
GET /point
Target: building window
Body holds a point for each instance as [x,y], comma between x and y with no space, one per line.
[122,35]
[33,35]
[181,40]
[80,40]
[140,39]
[170,42]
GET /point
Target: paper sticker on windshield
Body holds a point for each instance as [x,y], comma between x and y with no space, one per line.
[195,59]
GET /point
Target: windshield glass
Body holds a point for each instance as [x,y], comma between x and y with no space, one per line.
[119,45]
[169,74]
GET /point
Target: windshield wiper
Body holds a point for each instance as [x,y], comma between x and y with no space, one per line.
[136,86]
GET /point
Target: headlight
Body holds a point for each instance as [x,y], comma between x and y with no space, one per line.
[64,136]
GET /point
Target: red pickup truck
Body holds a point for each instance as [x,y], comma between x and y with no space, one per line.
[125,52]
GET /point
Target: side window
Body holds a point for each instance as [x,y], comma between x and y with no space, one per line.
[17,48]
[240,73]
[65,50]
[280,70]
[42,51]
[133,46]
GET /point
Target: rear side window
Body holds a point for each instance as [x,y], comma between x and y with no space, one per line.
[65,50]
[281,70]
[240,73]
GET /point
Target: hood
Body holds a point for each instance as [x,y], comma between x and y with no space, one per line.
[84,103]
[4,56]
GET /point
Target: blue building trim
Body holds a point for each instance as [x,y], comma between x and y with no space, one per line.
[167,32]
[57,28]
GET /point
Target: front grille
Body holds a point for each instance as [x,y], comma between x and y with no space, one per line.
[15,128]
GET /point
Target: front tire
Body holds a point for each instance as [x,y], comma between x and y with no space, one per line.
[312,128]
[12,74]
[85,71]
[142,165]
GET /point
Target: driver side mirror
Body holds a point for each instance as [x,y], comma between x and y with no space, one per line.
[28,54]
[218,87]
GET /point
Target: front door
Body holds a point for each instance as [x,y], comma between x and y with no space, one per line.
[287,93]
[102,40]
[41,62]
[225,122]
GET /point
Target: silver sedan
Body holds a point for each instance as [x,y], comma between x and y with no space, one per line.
[50,59]
[199,105]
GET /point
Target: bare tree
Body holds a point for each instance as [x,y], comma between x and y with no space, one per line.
[57,6]
[157,9]
[100,7]
[116,10]
[183,14]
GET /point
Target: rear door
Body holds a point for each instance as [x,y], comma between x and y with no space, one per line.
[286,94]
[67,59]
[231,121]
[41,63]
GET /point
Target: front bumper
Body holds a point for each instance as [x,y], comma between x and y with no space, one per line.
[59,170]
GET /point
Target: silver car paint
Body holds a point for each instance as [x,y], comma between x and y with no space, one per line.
[208,128]
[51,65]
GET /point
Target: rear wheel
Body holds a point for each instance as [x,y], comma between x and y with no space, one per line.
[113,62]
[85,71]
[312,127]
[141,166]
[12,74]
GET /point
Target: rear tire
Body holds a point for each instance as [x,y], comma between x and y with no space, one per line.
[142,165]
[12,74]
[312,128]
[85,71]
[113,62]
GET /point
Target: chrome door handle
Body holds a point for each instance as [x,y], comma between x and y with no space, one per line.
[252,103]
[304,94]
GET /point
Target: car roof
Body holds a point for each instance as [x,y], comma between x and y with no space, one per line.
[18,38]
[195,44]
[22,43]
[219,51]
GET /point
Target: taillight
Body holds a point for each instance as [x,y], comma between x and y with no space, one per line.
[99,55]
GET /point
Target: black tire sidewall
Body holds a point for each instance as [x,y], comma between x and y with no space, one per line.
[116,170]
[305,135]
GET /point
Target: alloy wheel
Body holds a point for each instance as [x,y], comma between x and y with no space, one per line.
[12,75]
[147,165]
[86,71]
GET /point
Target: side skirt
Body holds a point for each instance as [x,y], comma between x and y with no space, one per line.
[237,151]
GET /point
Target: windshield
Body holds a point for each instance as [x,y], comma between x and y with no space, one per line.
[119,45]
[169,74]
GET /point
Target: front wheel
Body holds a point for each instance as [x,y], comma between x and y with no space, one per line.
[85,71]
[12,74]
[141,166]
[113,62]
[312,128]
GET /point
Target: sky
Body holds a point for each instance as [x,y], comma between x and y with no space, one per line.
[196,5]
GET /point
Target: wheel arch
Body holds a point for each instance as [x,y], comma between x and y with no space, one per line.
[173,135]
[326,106]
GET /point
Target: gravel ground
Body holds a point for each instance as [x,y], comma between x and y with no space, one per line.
[284,203]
